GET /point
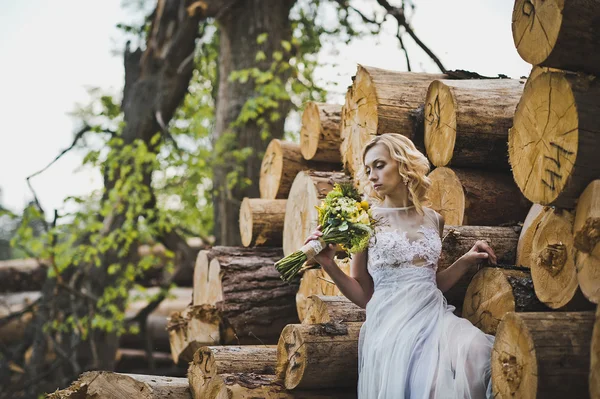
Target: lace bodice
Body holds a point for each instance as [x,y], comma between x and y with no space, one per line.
[393,247]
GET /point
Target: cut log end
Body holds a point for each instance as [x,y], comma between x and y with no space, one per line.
[246,222]
[440,123]
[536,26]
[447,196]
[271,170]
[311,131]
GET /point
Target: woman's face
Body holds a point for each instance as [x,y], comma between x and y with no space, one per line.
[382,170]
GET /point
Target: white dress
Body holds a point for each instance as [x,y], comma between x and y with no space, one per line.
[411,345]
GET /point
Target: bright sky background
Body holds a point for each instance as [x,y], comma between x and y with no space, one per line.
[53,51]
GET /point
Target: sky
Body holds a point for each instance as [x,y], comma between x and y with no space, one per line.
[52,52]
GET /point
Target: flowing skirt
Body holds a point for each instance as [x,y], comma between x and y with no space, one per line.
[412,346]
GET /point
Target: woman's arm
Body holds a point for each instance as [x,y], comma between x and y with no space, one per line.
[358,286]
[450,276]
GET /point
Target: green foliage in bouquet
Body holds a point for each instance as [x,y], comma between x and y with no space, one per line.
[345,220]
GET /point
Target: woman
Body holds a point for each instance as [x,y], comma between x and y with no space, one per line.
[411,344]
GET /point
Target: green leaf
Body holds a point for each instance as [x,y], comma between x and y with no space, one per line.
[262,38]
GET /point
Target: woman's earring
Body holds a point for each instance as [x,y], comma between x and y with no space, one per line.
[405,179]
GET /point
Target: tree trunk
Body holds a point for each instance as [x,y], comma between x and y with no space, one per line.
[542,355]
[22,275]
[261,222]
[247,290]
[318,356]
[555,137]
[239,27]
[327,309]
[458,240]
[308,189]
[558,34]
[476,197]
[494,292]
[553,265]
[210,361]
[467,122]
[317,282]
[586,239]
[320,133]
[530,226]
[108,385]
[382,101]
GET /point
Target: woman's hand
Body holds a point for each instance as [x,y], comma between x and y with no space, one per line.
[479,253]
[325,257]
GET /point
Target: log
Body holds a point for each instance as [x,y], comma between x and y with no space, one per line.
[13,330]
[320,133]
[136,361]
[476,197]
[109,385]
[19,275]
[530,226]
[347,128]
[542,355]
[316,356]
[308,189]
[553,268]
[595,358]
[384,102]
[555,138]
[280,165]
[326,309]
[467,122]
[210,361]
[261,222]
[494,292]
[558,34]
[247,290]
[195,327]
[317,282]
[586,239]
[264,386]
[457,240]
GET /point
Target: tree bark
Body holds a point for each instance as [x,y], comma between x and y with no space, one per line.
[108,385]
[476,197]
[467,122]
[595,358]
[494,292]
[318,356]
[239,29]
[558,34]
[308,189]
[555,138]
[542,355]
[320,132]
[261,222]
[247,290]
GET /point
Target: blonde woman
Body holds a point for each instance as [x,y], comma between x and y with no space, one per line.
[411,344]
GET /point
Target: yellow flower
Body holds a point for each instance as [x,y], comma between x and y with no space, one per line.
[364,205]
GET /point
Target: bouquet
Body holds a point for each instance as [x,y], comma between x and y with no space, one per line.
[345,220]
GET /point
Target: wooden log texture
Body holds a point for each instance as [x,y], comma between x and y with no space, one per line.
[280,165]
[261,222]
[326,309]
[542,355]
[19,275]
[210,361]
[586,239]
[594,378]
[458,240]
[320,133]
[530,226]
[467,122]
[317,282]
[382,101]
[556,33]
[553,265]
[247,290]
[555,137]
[13,304]
[494,292]
[476,197]
[317,356]
[308,189]
[109,385]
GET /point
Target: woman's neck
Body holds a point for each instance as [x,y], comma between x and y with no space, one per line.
[397,202]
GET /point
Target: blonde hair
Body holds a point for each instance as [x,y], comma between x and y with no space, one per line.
[413,167]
